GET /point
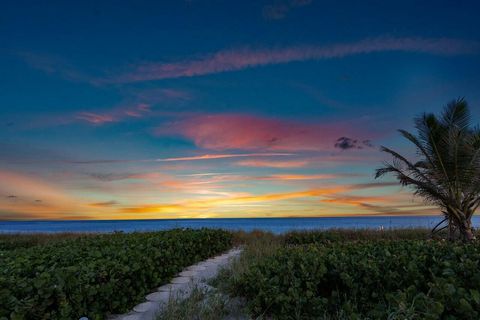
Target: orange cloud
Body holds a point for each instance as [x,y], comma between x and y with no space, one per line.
[27,196]
[229,201]
[312,202]
[104,204]
[210,200]
[389,204]
[34,198]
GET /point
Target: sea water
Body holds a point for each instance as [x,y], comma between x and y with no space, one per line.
[275,225]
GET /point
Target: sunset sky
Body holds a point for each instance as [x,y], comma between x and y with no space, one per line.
[197,109]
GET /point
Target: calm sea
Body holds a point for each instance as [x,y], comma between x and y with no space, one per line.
[276,225]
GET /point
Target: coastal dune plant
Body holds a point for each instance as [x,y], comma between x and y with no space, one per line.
[447,170]
[96,275]
[373,279]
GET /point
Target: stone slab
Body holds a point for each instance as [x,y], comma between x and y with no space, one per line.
[134,316]
[196,268]
[169,287]
[181,280]
[143,307]
[188,273]
[159,296]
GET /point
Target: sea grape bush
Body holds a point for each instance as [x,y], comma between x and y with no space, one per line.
[95,276]
[404,279]
[335,235]
[16,241]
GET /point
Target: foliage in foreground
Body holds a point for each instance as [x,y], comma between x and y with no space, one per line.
[27,240]
[339,235]
[96,275]
[381,279]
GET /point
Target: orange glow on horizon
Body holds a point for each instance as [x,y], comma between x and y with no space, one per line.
[205,195]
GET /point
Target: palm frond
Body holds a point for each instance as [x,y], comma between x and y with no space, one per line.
[421,148]
[456,114]
[447,172]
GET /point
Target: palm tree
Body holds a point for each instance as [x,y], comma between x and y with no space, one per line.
[447,172]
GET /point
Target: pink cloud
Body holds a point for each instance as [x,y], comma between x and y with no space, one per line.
[246,132]
[272,163]
[224,156]
[297,177]
[95,118]
[140,107]
[138,111]
[239,59]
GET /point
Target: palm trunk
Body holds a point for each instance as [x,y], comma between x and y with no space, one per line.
[461,221]
[451,230]
[466,231]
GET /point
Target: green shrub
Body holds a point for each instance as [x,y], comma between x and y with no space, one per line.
[96,275]
[368,279]
[20,240]
[336,235]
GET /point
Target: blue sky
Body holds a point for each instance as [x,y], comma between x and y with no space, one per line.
[108,109]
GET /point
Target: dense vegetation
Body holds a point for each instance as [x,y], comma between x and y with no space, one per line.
[26,240]
[374,275]
[94,275]
[336,274]
[329,236]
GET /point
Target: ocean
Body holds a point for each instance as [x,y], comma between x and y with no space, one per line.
[275,225]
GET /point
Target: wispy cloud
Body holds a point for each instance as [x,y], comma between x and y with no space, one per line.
[189,158]
[104,204]
[108,177]
[95,118]
[140,105]
[280,10]
[225,156]
[239,59]
[272,163]
[299,177]
[211,206]
[55,65]
[116,115]
[208,203]
[382,205]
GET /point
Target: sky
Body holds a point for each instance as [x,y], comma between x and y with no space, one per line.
[208,109]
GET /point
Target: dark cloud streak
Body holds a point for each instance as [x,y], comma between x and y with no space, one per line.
[345,143]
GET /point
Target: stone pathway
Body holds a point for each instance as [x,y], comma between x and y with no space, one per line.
[179,287]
